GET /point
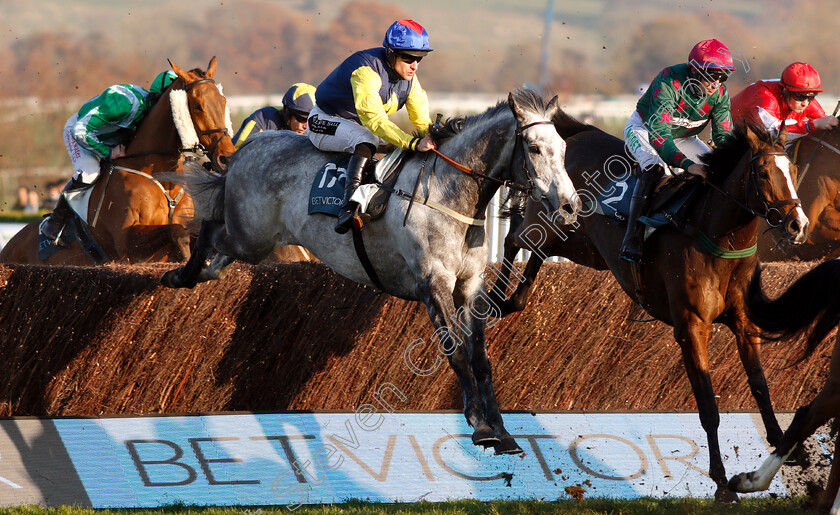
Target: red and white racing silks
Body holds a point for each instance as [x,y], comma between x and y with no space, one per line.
[763,103]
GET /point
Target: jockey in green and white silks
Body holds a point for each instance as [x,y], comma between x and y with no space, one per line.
[103,123]
[662,133]
[353,103]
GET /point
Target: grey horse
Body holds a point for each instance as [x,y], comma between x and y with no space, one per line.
[418,252]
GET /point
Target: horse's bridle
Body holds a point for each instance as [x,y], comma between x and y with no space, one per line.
[770,208]
[199,149]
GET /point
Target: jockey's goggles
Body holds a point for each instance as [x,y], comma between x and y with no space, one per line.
[409,59]
[714,75]
[300,117]
[802,96]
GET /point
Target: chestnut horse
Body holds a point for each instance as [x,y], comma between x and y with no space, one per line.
[810,306]
[692,275]
[818,156]
[133,216]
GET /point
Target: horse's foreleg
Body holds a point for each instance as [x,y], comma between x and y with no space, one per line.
[458,349]
[187,275]
[519,298]
[473,315]
[498,293]
[693,336]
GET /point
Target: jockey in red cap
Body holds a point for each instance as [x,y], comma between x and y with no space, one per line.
[680,102]
[789,100]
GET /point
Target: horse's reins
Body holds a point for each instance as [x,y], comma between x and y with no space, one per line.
[511,184]
[769,207]
[814,151]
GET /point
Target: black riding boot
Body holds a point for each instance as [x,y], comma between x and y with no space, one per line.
[53,224]
[349,210]
[631,247]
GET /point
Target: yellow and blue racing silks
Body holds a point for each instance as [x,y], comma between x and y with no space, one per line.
[365,89]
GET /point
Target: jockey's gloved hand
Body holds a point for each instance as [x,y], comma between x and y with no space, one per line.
[698,170]
[826,123]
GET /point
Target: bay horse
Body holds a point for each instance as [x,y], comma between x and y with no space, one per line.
[816,155]
[133,215]
[689,278]
[810,306]
[435,252]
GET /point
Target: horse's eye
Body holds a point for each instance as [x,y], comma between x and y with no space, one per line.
[533,149]
[197,107]
[763,175]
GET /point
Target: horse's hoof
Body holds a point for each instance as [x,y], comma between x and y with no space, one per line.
[739,482]
[172,279]
[507,445]
[726,496]
[484,436]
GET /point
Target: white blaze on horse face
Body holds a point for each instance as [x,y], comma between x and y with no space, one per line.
[546,153]
[799,230]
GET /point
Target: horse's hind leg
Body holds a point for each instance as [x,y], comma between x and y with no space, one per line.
[187,275]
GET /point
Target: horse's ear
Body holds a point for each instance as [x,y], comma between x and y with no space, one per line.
[515,108]
[783,133]
[211,68]
[553,106]
[180,72]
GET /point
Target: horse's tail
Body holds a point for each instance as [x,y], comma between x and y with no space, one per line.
[206,188]
[809,306]
[567,125]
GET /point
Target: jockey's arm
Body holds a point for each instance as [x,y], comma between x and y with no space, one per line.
[417,105]
[825,123]
[663,108]
[721,118]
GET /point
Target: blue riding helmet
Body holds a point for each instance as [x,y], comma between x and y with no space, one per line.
[408,37]
[300,97]
[162,81]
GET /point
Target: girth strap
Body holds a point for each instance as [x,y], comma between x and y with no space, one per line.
[359,245]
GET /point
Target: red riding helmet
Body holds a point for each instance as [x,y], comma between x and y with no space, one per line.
[711,53]
[801,77]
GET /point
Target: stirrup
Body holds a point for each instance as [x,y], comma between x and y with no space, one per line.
[57,241]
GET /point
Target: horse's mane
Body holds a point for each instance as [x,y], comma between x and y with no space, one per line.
[726,155]
[526,98]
